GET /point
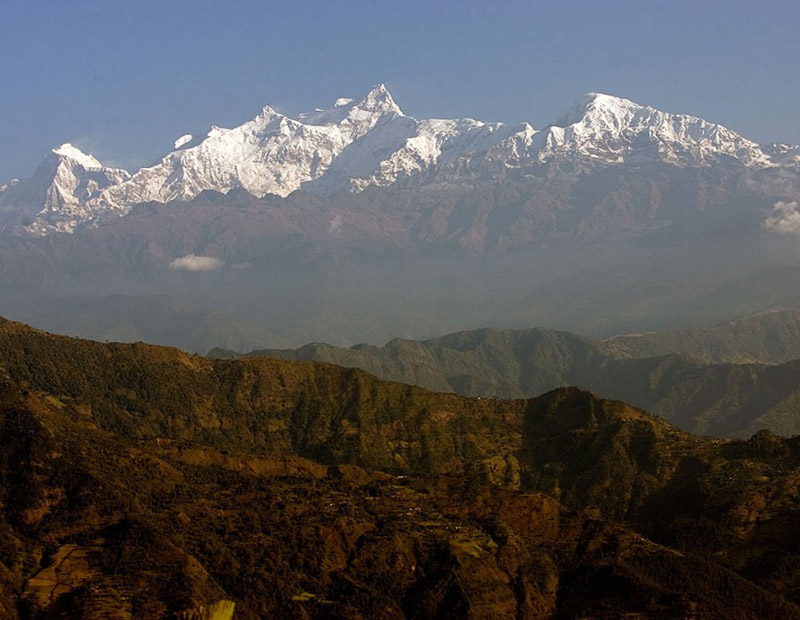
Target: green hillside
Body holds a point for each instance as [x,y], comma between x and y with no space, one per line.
[653,371]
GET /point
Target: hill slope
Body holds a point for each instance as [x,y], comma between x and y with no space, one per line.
[147,482]
[769,337]
[718,399]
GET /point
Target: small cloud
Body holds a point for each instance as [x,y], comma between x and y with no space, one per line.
[784,219]
[190,262]
[183,140]
[335,226]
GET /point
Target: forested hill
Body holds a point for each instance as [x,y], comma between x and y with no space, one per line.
[677,375]
[140,481]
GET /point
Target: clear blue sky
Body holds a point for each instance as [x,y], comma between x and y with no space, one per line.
[124,79]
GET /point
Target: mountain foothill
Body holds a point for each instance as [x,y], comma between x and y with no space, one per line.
[142,481]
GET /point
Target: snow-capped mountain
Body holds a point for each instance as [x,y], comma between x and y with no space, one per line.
[271,154]
[371,142]
[59,194]
[616,131]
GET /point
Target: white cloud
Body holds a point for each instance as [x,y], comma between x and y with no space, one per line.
[784,219]
[190,262]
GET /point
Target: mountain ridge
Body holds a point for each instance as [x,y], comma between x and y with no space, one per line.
[720,381]
[147,482]
[56,197]
[371,142]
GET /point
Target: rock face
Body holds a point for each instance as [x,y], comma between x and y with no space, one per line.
[371,142]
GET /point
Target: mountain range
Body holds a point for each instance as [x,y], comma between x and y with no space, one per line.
[371,142]
[360,223]
[141,481]
[729,380]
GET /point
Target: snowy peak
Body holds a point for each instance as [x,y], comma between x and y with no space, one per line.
[379,100]
[267,113]
[270,154]
[598,109]
[56,196]
[376,104]
[364,115]
[604,129]
[67,151]
[356,143]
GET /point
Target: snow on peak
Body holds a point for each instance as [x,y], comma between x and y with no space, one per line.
[357,143]
[599,108]
[379,99]
[613,130]
[183,140]
[71,152]
[58,194]
[270,154]
[267,112]
[362,114]
[216,131]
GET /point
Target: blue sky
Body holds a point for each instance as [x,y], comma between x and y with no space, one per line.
[124,79]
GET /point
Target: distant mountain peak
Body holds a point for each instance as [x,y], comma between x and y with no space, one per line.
[606,100]
[592,107]
[56,197]
[379,99]
[378,102]
[267,112]
[612,130]
[215,130]
[69,151]
[364,142]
